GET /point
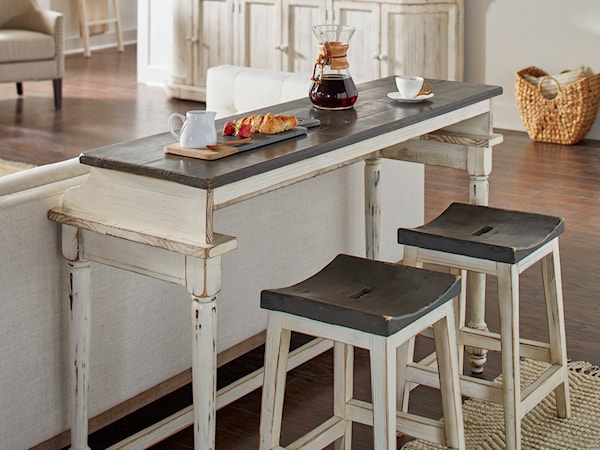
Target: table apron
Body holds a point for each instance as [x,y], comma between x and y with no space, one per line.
[326,162]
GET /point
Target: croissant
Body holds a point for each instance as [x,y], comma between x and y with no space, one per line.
[269,123]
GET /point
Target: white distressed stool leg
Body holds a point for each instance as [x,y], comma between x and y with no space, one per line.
[551,275]
[406,353]
[383,391]
[276,356]
[508,293]
[343,383]
[448,370]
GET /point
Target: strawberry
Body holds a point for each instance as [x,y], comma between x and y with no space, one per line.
[244,131]
[229,129]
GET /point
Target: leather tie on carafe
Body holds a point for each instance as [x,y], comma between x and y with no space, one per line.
[331,54]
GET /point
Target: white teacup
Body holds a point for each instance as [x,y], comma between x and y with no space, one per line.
[411,87]
[198,128]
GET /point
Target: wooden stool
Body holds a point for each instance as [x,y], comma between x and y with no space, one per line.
[502,243]
[379,307]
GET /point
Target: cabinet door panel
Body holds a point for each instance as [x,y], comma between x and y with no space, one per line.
[364,49]
[420,40]
[299,49]
[258,34]
[216,42]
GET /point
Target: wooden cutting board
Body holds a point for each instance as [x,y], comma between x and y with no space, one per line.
[258,140]
[200,153]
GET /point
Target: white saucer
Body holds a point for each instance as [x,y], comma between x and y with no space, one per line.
[419,98]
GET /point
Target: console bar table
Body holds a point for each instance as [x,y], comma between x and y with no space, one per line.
[150,213]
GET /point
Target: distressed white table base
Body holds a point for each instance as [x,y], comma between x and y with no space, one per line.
[140,232]
[202,277]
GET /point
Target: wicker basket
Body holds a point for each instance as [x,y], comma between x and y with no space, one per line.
[564,119]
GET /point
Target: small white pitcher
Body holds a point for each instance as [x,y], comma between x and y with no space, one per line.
[198,128]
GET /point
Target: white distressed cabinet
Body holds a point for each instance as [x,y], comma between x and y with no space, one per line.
[298,47]
[408,38]
[402,37]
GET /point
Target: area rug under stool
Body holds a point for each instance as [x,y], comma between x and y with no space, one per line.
[541,429]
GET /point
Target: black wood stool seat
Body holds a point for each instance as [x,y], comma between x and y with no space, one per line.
[379,307]
[371,296]
[483,232]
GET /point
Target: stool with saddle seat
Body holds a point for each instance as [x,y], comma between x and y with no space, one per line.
[501,243]
[380,307]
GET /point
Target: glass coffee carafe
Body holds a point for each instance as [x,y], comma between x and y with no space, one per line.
[333,87]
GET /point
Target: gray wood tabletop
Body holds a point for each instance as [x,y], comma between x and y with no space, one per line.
[373,114]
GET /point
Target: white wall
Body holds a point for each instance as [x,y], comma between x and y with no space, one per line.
[504,36]
[155,41]
[73,41]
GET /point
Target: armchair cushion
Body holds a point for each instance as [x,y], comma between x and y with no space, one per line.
[27,16]
[25,45]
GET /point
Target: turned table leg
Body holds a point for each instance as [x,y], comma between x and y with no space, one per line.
[479,167]
[80,306]
[372,207]
[204,370]
[203,281]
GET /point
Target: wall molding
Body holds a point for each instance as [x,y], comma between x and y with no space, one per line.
[74,45]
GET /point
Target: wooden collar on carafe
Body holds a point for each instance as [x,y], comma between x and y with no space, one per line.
[333,54]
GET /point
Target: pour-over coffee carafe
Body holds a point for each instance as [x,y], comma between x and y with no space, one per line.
[333,87]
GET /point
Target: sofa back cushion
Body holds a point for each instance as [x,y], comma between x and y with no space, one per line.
[235,89]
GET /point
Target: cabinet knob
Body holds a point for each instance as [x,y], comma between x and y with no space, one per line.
[282,48]
[380,57]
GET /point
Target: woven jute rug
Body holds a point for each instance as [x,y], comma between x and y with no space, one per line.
[541,428]
[8,167]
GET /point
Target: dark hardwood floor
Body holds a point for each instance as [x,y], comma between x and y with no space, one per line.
[103,104]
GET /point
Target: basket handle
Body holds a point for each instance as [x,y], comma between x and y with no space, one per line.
[549,78]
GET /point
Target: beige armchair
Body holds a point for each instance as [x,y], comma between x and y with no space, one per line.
[31,45]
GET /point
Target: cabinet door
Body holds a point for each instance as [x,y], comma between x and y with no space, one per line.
[421,40]
[298,49]
[216,36]
[257,33]
[364,50]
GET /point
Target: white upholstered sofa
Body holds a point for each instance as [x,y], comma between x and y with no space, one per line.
[140,327]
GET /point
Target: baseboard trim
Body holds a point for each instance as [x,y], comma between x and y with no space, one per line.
[74,45]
